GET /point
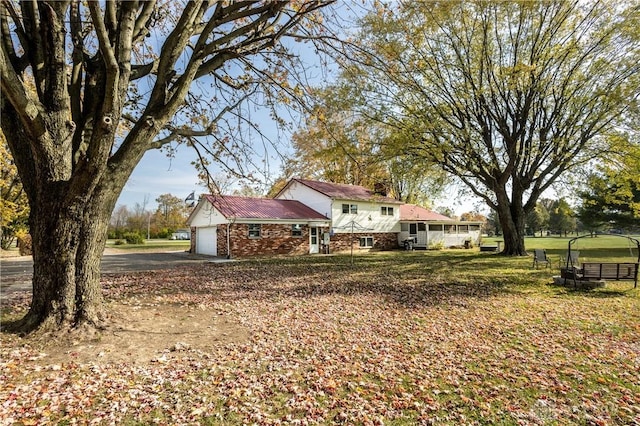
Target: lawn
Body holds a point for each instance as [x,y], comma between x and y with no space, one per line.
[398,338]
[602,248]
[152,244]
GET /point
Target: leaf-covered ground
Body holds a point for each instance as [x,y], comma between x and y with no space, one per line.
[398,338]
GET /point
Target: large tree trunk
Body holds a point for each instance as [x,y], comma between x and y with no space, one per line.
[512,220]
[69,237]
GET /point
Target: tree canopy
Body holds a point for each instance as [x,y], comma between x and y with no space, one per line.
[89,87]
[610,195]
[339,144]
[506,96]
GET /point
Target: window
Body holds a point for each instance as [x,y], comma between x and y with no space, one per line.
[422,227]
[463,229]
[254,230]
[435,228]
[296,230]
[350,208]
[386,211]
[474,228]
[450,229]
[413,229]
[366,242]
[404,227]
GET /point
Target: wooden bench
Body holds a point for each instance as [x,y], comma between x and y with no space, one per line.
[610,271]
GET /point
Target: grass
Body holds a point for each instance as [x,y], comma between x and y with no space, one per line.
[152,244]
[602,248]
[401,338]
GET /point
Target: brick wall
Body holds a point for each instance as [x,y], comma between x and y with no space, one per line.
[277,239]
[381,241]
[274,239]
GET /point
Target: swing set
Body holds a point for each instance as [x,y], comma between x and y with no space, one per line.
[589,271]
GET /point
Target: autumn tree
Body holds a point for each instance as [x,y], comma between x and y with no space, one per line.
[506,96]
[14,207]
[171,214]
[118,223]
[89,87]
[339,144]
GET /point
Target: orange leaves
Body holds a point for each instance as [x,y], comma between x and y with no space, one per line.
[326,343]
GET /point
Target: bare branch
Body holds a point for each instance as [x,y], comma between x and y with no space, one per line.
[108,54]
[142,22]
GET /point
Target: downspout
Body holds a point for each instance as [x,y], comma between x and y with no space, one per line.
[228,239]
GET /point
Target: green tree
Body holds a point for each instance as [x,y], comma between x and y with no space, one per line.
[538,219]
[14,206]
[611,198]
[562,217]
[84,96]
[610,202]
[506,96]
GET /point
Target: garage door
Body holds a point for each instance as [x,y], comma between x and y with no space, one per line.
[206,240]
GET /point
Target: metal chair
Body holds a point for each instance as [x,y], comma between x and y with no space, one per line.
[540,257]
[571,259]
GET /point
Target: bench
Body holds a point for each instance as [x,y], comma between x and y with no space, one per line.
[610,271]
[488,248]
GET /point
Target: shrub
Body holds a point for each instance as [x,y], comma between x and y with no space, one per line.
[133,238]
[118,242]
[24,244]
[439,245]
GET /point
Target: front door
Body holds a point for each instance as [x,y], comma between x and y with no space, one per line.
[314,240]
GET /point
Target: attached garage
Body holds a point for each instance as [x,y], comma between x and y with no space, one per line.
[206,241]
[231,226]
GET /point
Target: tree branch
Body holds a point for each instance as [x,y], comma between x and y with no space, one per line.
[144,18]
[108,56]
[29,110]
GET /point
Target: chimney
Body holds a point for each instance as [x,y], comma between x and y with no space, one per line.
[380,188]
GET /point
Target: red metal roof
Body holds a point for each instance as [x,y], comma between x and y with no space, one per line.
[413,212]
[343,191]
[262,208]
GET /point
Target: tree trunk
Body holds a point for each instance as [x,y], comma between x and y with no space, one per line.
[68,241]
[512,220]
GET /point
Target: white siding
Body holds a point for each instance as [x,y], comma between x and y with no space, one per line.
[207,215]
[312,198]
[368,216]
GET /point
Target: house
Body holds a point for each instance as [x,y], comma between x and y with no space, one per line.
[309,216]
[433,230]
[360,218]
[181,234]
[233,226]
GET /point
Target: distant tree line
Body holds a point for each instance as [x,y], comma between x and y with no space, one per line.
[137,222]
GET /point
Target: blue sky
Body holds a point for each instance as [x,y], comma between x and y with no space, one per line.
[156,174]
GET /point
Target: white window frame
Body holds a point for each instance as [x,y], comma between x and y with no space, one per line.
[252,230]
[296,230]
[366,242]
[350,209]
